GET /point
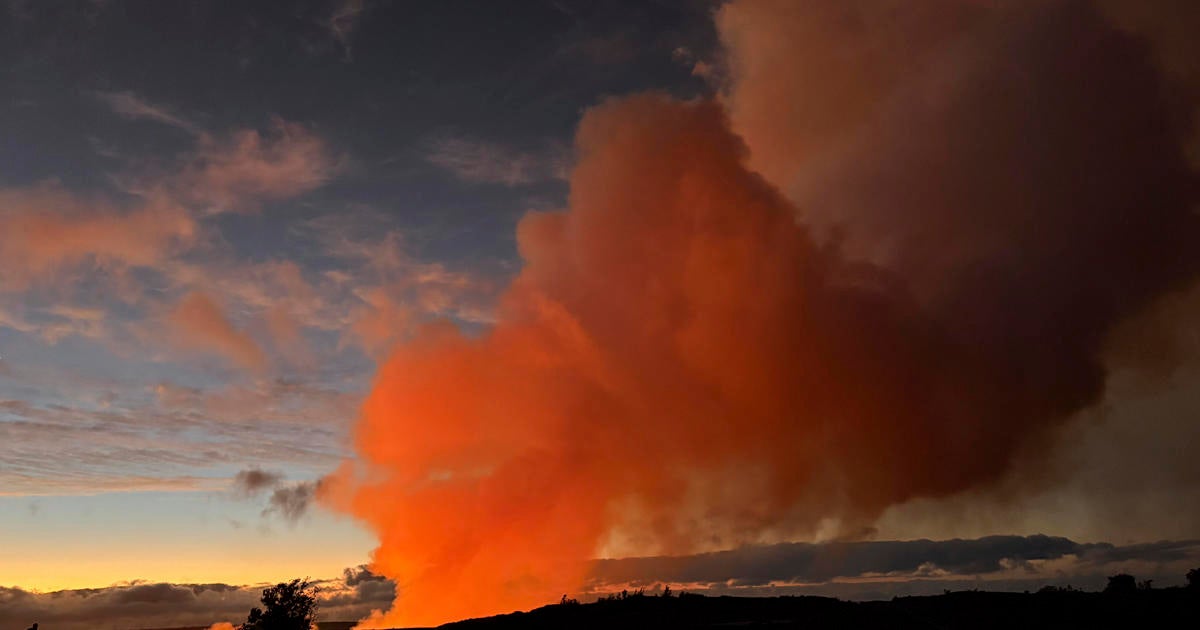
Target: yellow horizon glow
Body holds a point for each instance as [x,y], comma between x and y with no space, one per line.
[38,575]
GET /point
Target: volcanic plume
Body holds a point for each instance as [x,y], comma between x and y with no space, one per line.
[871,270]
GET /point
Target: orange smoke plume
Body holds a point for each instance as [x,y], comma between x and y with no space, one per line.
[681,365]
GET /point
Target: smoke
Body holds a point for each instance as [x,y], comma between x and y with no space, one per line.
[288,501]
[253,481]
[878,267]
[291,501]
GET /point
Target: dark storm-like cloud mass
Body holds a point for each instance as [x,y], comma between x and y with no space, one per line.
[820,562]
[801,563]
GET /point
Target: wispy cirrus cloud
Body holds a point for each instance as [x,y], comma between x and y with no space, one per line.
[131,106]
[344,21]
[101,437]
[18,485]
[237,170]
[250,167]
[481,162]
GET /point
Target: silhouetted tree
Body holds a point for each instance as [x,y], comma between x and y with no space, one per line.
[286,606]
[1193,578]
[1120,584]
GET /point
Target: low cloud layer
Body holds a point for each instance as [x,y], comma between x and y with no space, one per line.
[1046,558]
[861,570]
[145,604]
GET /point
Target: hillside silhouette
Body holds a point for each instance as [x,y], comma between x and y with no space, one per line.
[1124,603]
[1049,608]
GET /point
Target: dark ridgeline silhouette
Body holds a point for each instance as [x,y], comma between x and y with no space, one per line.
[1125,603]
[286,606]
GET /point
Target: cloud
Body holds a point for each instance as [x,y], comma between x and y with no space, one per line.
[479,162]
[292,502]
[130,106]
[879,569]
[353,576]
[801,562]
[197,323]
[389,292]
[46,232]
[248,168]
[77,447]
[882,267]
[344,21]
[288,501]
[252,481]
[53,241]
[871,570]
[17,484]
[150,604]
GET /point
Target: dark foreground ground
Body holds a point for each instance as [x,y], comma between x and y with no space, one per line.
[1159,608]
[1162,608]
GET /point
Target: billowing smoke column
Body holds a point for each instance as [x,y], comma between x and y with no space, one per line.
[695,355]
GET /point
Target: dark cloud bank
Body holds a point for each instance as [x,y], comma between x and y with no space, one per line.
[807,567]
[851,570]
[141,605]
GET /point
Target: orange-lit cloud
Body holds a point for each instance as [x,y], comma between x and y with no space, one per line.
[46,231]
[198,324]
[902,277]
[250,168]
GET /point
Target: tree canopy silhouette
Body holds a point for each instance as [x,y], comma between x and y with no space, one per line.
[1121,584]
[286,606]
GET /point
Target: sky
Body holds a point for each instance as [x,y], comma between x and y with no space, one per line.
[417,298]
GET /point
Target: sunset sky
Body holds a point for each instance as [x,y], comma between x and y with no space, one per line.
[475,293]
